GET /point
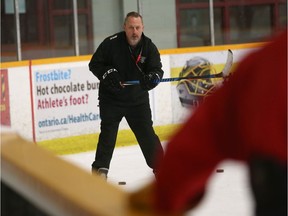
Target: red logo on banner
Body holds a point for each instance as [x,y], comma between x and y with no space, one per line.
[5,104]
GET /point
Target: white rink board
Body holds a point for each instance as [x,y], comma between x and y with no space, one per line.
[65,100]
[62,114]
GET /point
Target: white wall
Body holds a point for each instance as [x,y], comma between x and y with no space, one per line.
[158,16]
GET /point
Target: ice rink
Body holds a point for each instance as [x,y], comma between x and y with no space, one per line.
[228,193]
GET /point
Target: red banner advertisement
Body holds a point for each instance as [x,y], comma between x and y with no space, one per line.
[5,104]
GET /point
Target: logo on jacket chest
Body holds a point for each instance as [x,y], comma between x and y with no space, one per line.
[142,59]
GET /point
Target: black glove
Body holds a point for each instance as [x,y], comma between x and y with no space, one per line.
[150,81]
[112,81]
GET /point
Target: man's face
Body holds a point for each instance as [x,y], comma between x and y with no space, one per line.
[133,29]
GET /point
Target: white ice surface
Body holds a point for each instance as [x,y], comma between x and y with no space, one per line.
[228,193]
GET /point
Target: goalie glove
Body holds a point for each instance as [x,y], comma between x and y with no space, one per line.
[112,80]
[150,80]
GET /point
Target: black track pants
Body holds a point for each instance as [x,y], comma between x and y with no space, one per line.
[140,121]
[269,185]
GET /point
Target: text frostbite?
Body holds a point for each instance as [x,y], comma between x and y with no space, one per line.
[53,75]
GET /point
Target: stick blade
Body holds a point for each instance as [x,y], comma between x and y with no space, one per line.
[228,64]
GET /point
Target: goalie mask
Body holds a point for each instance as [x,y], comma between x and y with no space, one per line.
[192,92]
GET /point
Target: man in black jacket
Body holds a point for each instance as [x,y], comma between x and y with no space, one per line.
[127,55]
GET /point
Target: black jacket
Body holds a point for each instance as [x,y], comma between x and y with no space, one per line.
[115,52]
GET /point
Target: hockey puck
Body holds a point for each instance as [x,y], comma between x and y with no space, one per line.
[220,170]
[121,183]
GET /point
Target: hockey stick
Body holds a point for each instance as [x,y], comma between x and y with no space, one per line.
[222,74]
